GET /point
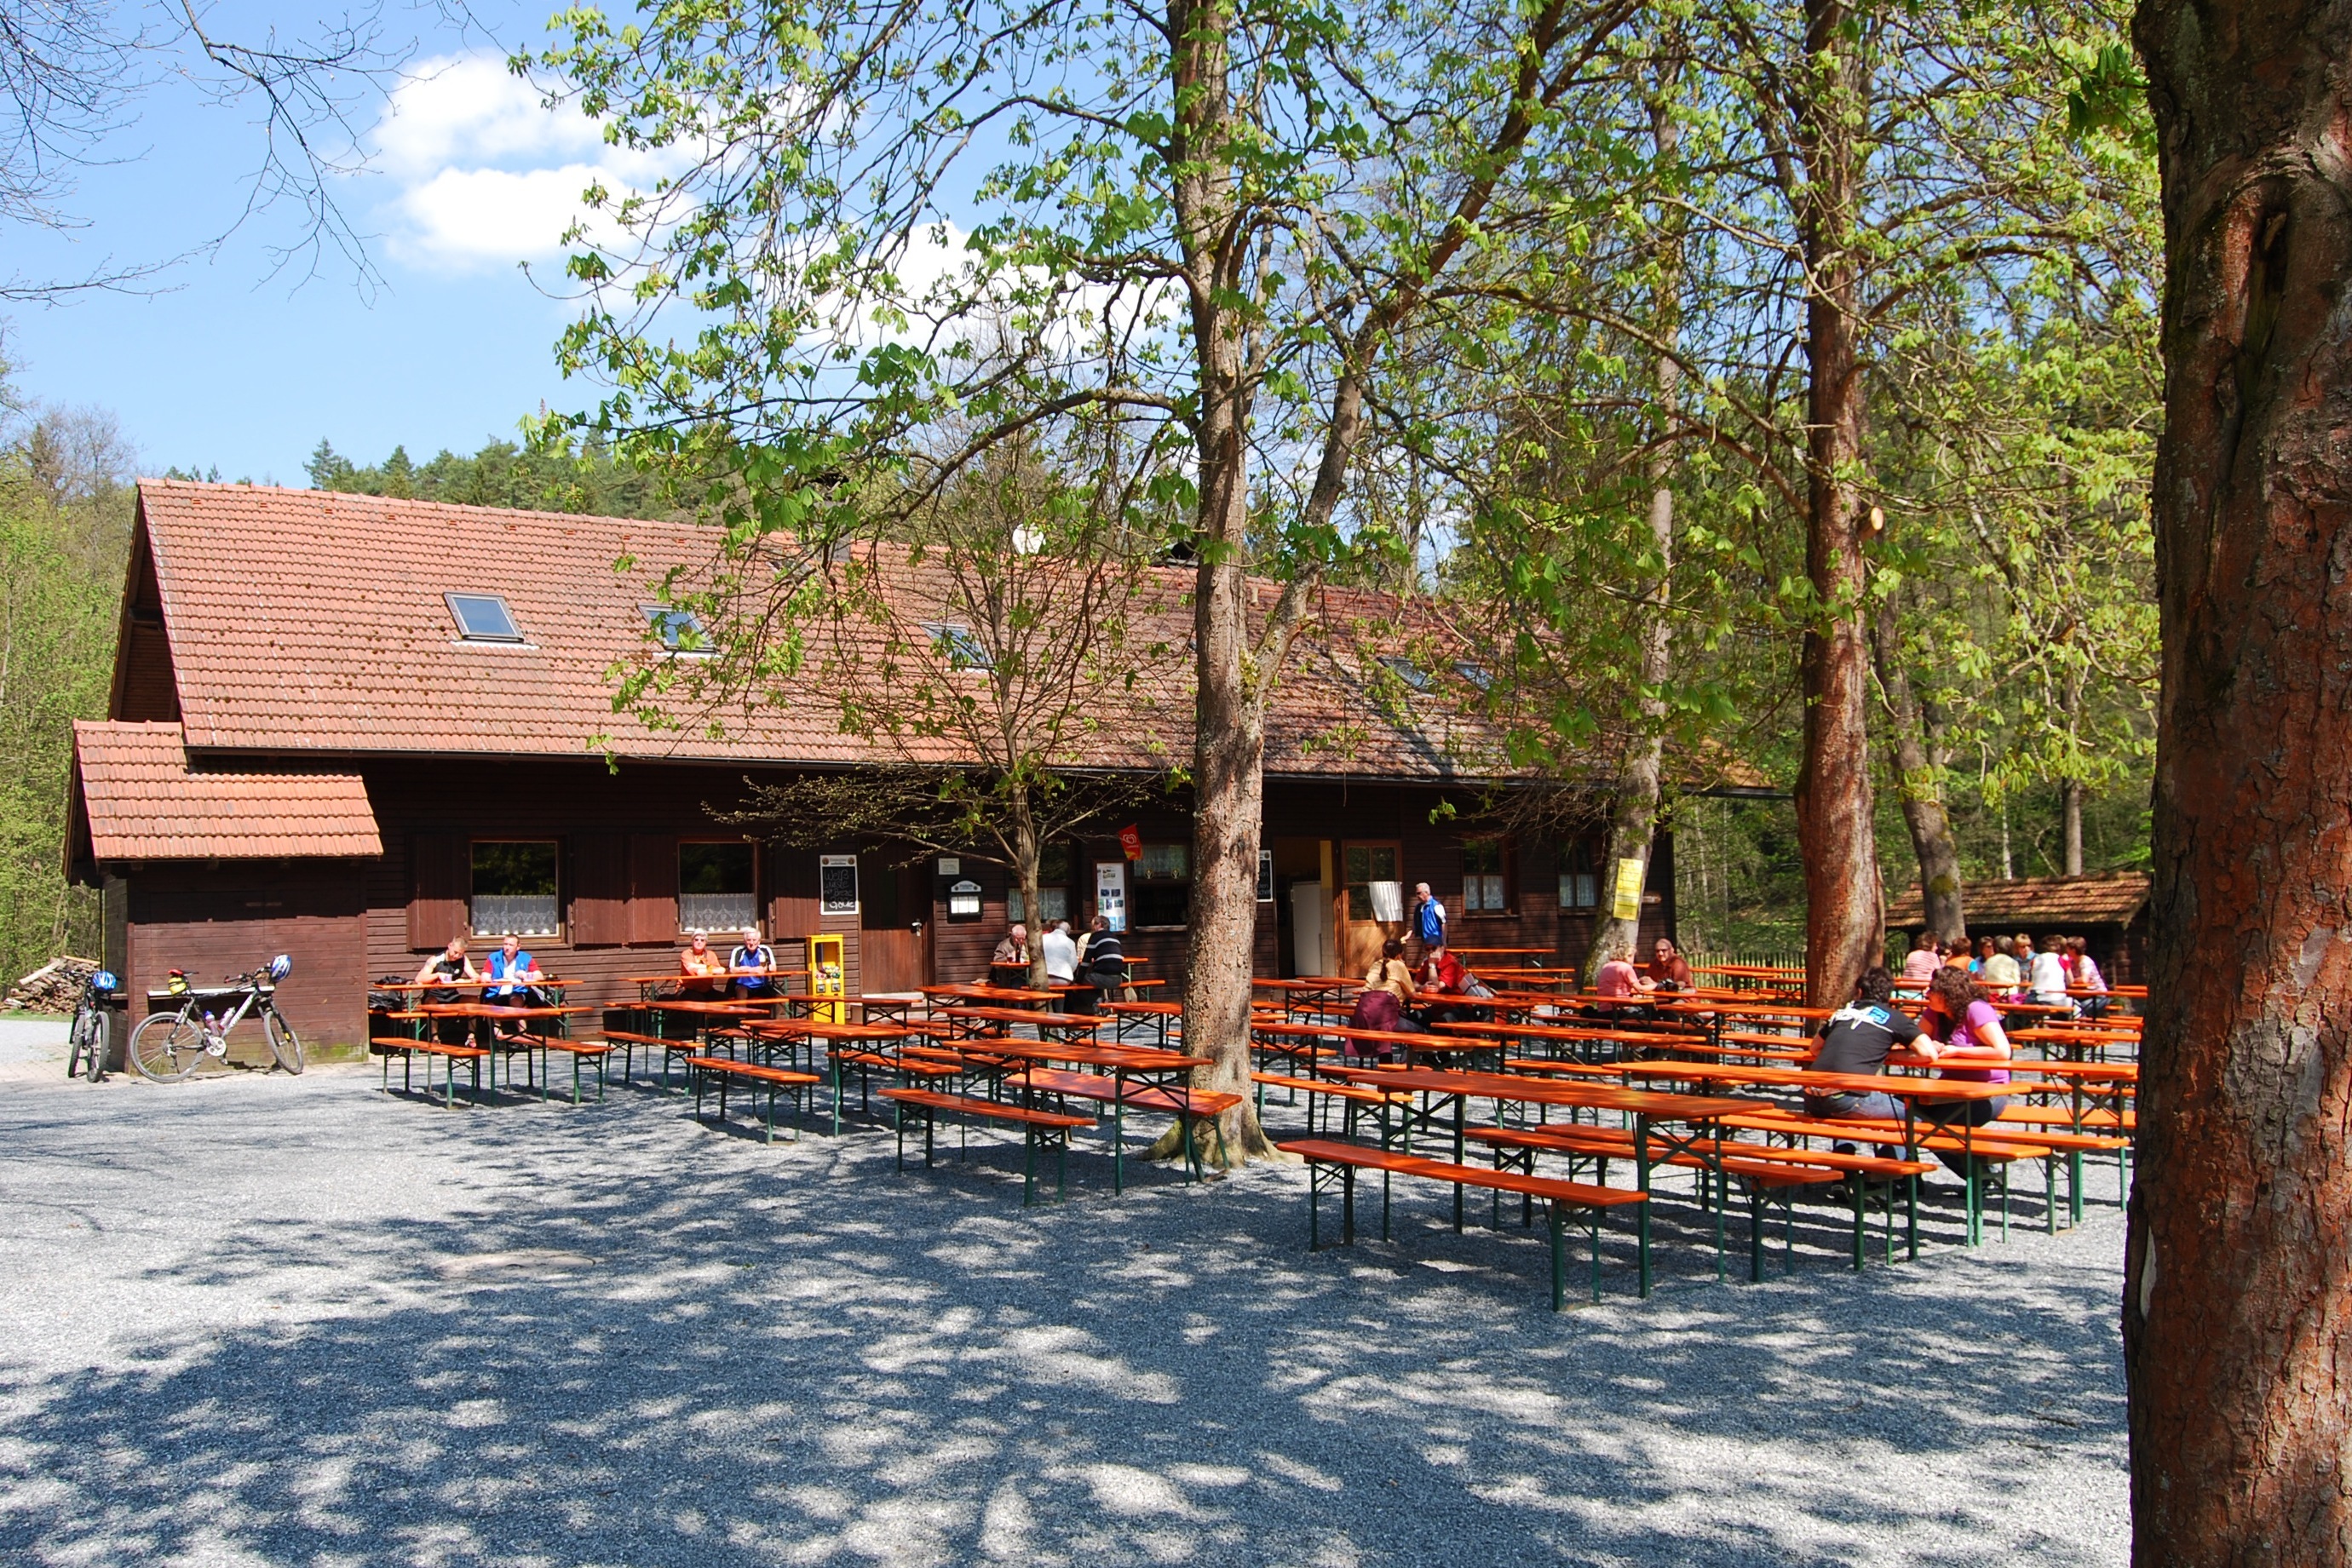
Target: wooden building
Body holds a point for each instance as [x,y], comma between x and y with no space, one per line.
[2107,909]
[349,727]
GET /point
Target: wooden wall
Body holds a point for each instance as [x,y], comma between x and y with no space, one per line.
[617,832]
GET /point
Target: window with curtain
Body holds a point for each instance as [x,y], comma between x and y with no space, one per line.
[514,887]
[716,886]
[1484,881]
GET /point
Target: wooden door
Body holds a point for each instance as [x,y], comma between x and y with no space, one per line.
[890,938]
[1370,906]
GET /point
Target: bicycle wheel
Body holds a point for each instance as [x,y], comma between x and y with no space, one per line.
[284,1044]
[88,1054]
[167,1047]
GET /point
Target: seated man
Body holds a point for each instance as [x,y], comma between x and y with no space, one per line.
[753,966]
[1061,958]
[1442,976]
[1669,970]
[1011,952]
[705,971]
[449,964]
[1856,1039]
[513,973]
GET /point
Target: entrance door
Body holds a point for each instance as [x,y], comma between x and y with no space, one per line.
[1370,908]
[890,936]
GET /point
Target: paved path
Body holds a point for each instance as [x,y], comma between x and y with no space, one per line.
[292,1320]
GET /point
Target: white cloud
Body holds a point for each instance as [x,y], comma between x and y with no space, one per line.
[484,173]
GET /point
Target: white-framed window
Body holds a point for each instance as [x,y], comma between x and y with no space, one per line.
[836,877]
[962,650]
[1580,885]
[718,885]
[1486,877]
[514,888]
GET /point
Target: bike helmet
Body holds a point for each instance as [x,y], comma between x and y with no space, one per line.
[280,967]
[103,981]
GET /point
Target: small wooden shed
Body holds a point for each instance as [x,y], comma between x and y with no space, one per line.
[2108,910]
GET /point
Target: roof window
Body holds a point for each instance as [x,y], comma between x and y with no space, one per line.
[1408,671]
[483,617]
[1477,675]
[963,651]
[680,630]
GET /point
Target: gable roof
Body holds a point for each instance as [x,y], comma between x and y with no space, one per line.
[137,798]
[308,620]
[2109,898]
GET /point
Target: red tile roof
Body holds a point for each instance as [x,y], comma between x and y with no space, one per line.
[2109,898]
[310,620]
[143,802]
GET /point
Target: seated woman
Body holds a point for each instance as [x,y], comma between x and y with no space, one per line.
[1387,988]
[2083,970]
[1927,956]
[704,971]
[1964,1028]
[449,964]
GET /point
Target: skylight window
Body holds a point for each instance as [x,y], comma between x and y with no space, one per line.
[962,649]
[680,630]
[1477,675]
[483,617]
[1408,671]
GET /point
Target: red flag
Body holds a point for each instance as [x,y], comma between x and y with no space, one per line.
[1131,838]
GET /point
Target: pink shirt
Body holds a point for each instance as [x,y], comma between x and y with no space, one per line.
[1980,1017]
[1616,979]
[1920,966]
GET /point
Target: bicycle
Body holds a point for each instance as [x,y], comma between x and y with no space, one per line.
[171,1043]
[89,1031]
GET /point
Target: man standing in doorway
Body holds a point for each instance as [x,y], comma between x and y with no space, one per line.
[1428,922]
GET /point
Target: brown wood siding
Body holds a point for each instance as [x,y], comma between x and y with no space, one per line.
[435,802]
[600,890]
[440,874]
[652,890]
[215,921]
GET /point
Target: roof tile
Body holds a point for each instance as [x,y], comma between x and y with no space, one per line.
[144,801]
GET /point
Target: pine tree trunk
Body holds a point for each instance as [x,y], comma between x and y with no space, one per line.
[2235,1308]
[1844,908]
[1919,774]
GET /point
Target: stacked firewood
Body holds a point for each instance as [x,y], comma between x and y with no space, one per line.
[55,988]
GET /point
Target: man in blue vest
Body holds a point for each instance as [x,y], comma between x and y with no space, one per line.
[1428,919]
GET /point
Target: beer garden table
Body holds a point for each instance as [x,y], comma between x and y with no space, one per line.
[1702,1113]
[1155,1068]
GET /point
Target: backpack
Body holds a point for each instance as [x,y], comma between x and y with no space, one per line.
[387,1001]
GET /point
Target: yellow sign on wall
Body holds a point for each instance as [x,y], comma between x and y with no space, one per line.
[825,979]
[1627,905]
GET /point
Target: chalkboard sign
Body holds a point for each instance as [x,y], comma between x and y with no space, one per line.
[837,884]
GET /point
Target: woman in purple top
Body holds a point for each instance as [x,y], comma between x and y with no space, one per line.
[1964,1020]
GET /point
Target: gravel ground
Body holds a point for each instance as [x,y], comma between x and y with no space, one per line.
[296,1321]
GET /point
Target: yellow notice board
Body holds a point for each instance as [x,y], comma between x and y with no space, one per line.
[1627,905]
[825,979]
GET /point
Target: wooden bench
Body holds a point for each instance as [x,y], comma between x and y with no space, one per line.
[1049,1127]
[1767,1174]
[1323,1092]
[1323,1156]
[727,1070]
[1187,1105]
[388,1045]
[628,1043]
[596,1051]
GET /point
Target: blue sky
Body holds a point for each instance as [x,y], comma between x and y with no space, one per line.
[236,365]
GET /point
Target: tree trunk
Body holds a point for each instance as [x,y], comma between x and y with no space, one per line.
[1919,774]
[1633,818]
[1024,874]
[1845,909]
[2235,1311]
[2070,811]
[1229,724]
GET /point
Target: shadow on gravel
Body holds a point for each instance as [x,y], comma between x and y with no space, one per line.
[651,1345]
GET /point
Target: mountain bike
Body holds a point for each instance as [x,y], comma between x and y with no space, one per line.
[89,1031]
[171,1043]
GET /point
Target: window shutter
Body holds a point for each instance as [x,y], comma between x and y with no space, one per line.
[440,876]
[600,890]
[652,890]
